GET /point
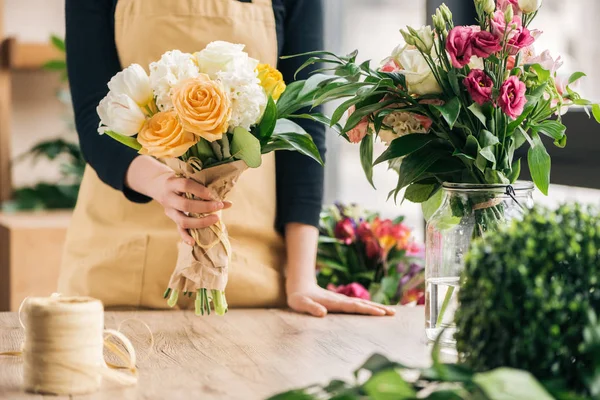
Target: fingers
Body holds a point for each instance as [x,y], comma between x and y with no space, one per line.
[388,310]
[351,305]
[185,236]
[183,204]
[307,305]
[185,222]
[183,185]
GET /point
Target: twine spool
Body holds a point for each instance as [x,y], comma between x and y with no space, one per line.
[63,349]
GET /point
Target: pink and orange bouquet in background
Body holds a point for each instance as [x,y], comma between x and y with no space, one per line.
[362,255]
[209,116]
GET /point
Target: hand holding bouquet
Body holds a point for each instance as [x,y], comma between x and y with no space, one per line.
[362,255]
[208,116]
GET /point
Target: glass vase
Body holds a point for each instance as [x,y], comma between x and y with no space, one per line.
[468,211]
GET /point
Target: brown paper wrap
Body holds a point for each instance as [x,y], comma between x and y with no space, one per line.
[204,266]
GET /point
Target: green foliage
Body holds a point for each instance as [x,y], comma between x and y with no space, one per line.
[528,295]
[246,147]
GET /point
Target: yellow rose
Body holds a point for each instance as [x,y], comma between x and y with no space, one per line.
[271,80]
[203,107]
[163,136]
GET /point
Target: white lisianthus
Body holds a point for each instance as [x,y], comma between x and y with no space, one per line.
[530,6]
[120,113]
[172,68]
[423,38]
[414,67]
[487,6]
[476,63]
[400,124]
[133,82]
[223,56]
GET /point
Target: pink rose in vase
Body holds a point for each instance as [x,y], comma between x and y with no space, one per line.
[351,290]
[479,85]
[512,97]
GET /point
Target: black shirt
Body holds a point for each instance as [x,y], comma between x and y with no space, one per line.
[92,60]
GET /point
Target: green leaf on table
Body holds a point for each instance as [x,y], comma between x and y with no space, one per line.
[128,141]
[596,112]
[432,204]
[576,76]
[510,384]
[420,192]
[539,164]
[552,129]
[404,145]
[366,157]
[388,385]
[415,165]
[449,111]
[267,123]
[246,147]
[478,112]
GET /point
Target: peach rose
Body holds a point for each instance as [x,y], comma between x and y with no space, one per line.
[163,136]
[203,107]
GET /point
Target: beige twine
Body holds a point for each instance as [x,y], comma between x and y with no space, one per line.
[64,344]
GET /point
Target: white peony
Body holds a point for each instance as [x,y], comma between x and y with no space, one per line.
[414,67]
[223,56]
[120,113]
[400,124]
[172,68]
[248,98]
[133,82]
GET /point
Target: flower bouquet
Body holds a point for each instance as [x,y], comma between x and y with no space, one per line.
[361,255]
[208,116]
[454,103]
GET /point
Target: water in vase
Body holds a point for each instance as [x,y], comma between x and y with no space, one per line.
[441,301]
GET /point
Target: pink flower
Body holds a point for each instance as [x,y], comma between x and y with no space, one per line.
[425,122]
[510,62]
[357,134]
[484,44]
[351,290]
[345,231]
[413,296]
[512,97]
[366,235]
[415,249]
[390,66]
[459,45]
[522,38]
[545,60]
[504,4]
[479,85]
[499,25]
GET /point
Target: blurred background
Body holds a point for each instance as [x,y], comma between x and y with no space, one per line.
[40,167]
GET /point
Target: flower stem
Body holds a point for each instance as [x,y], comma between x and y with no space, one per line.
[173,299]
[167,293]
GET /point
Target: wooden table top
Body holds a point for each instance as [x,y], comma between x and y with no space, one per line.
[247,354]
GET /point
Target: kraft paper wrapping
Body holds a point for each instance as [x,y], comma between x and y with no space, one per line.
[204,265]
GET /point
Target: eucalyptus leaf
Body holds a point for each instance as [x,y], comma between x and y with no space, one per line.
[245,146]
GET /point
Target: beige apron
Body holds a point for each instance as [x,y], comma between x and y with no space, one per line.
[122,252]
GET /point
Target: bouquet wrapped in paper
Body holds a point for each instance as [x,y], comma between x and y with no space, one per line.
[209,116]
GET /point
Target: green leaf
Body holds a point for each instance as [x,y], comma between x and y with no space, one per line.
[576,76]
[472,146]
[539,164]
[362,112]
[313,83]
[495,177]
[290,136]
[447,373]
[58,43]
[55,65]
[128,141]
[488,154]
[453,79]
[550,128]
[366,157]
[338,90]
[404,145]
[415,165]
[449,111]
[203,150]
[542,73]
[267,124]
[596,112]
[389,285]
[477,112]
[515,171]
[341,110]
[510,384]
[288,102]
[430,206]
[420,192]
[487,139]
[245,146]
[376,363]
[293,395]
[388,385]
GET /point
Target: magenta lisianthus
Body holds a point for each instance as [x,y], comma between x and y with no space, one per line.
[351,290]
[345,230]
[522,38]
[499,25]
[512,97]
[479,85]
[484,44]
[459,47]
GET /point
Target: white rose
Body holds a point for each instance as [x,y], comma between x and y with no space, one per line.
[173,67]
[134,82]
[223,56]
[419,77]
[423,38]
[529,6]
[119,113]
[399,124]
